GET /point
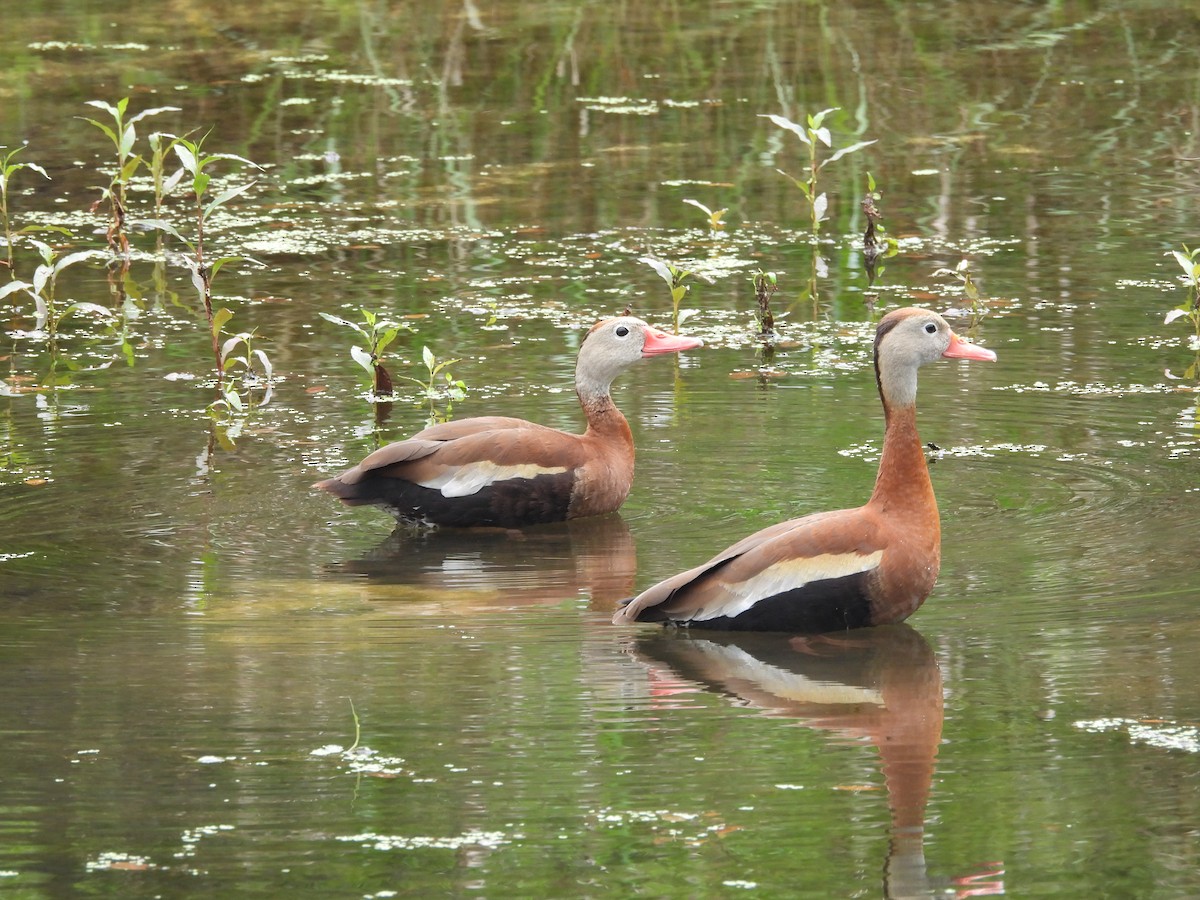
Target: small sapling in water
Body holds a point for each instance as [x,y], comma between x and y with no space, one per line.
[1189,261]
[123,135]
[962,274]
[8,168]
[435,388]
[813,135]
[674,276]
[196,162]
[715,216]
[765,286]
[43,288]
[377,334]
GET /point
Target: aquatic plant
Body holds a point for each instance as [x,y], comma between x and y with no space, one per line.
[43,288]
[877,243]
[962,274]
[161,145]
[765,286]
[195,161]
[377,334]
[674,276]
[435,388]
[814,134]
[8,168]
[715,217]
[1189,261]
[123,135]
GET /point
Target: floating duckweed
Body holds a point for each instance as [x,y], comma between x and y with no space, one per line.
[621,106]
[1163,735]
[472,838]
[74,45]
[364,760]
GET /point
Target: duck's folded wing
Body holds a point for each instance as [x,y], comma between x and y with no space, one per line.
[777,562]
[458,466]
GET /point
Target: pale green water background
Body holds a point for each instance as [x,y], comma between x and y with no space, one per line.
[182,632]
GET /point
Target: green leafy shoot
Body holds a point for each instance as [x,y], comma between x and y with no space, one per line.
[43,287]
[815,135]
[377,334]
[121,131]
[196,163]
[962,274]
[765,285]
[8,168]
[674,276]
[1189,262]
[438,385]
[715,217]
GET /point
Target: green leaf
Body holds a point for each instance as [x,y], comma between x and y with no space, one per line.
[240,159]
[200,183]
[73,258]
[429,359]
[791,126]
[112,135]
[384,340]
[107,107]
[152,112]
[13,286]
[663,270]
[840,153]
[128,170]
[219,263]
[814,121]
[225,196]
[128,137]
[363,358]
[187,157]
[83,307]
[338,320]
[266,364]
[220,317]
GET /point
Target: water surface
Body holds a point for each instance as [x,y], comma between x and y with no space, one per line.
[214,681]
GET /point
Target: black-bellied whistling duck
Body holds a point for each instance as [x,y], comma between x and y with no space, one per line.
[873,565]
[499,471]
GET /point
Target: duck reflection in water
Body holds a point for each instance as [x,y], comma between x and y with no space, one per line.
[879,684]
[501,568]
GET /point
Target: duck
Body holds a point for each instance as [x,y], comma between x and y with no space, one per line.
[834,571]
[497,471]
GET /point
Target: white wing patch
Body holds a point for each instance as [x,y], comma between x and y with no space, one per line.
[462,481]
[788,575]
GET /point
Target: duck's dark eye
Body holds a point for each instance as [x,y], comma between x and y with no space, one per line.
[622,331]
[930,328]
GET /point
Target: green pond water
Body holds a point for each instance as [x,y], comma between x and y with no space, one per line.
[215,682]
